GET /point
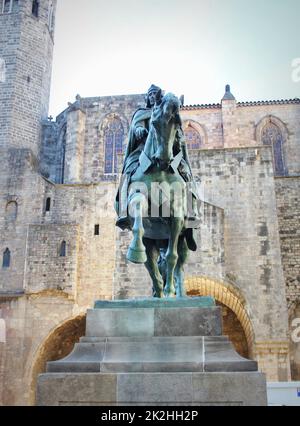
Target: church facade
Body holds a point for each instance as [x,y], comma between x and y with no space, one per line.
[60,249]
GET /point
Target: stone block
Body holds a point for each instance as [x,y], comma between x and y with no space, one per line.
[152,389]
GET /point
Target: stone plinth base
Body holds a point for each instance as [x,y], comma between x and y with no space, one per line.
[154,389]
[153,352]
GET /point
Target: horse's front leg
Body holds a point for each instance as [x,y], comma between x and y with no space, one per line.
[152,267]
[137,252]
[176,225]
[182,258]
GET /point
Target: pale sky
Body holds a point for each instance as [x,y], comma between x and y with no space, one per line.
[190,47]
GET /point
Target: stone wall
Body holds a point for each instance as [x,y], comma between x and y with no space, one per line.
[26,45]
[240,181]
[242,122]
[288,209]
[21,202]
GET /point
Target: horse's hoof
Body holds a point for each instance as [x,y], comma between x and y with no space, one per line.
[135,256]
[159,295]
[169,293]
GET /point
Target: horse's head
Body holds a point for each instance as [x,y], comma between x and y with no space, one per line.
[165,120]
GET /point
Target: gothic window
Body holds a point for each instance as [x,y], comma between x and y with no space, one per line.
[6,259]
[6,6]
[63,249]
[35,8]
[11,211]
[113,143]
[193,138]
[271,135]
[15,6]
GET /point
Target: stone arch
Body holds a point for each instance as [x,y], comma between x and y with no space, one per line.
[107,120]
[279,149]
[199,128]
[294,315]
[57,345]
[226,294]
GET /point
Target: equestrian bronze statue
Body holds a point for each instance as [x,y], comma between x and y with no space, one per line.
[157,197]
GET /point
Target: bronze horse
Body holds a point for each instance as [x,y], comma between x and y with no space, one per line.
[157,203]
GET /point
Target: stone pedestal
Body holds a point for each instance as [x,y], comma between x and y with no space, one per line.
[153,352]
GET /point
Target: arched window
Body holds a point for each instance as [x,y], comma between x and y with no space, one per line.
[48,204]
[35,8]
[6,6]
[6,259]
[271,135]
[9,6]
[11,211]
[113,143]
[193,138]
[15,6]
[63,249]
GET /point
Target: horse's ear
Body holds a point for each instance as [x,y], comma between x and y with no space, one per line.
[158,98]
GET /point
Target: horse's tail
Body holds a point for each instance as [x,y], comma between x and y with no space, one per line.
[190,240]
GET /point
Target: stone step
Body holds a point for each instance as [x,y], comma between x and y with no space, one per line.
[154,354]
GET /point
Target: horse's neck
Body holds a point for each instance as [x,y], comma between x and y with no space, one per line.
[151,143]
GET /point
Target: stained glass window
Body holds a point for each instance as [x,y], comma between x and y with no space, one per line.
[193,139]
[113,142]
[271,135]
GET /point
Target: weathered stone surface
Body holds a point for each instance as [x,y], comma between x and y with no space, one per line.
[152,389]
[153,354]
[62,389]
[154,322]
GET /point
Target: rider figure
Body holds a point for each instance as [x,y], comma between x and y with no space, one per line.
[136,142]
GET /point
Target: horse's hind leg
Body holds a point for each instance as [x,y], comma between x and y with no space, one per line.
[152,267]
[182,258]
[176,225]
